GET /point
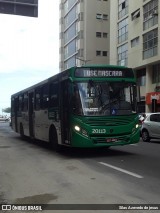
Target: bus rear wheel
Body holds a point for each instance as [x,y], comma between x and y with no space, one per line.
[21,131]
[53,140]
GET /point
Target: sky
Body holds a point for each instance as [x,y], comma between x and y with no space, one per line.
[29,49]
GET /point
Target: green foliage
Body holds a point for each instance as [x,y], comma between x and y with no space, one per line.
[7,110]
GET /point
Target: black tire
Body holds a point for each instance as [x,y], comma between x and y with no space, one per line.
[53,139]
[145,136]
[106,148]
[22,131]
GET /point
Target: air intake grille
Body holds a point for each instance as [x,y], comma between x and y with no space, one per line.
[104,140]
[109,121]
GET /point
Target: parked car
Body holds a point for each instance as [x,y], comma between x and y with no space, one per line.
[150,128]
[4,118]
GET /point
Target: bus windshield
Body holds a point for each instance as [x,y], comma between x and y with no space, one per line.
[94,98]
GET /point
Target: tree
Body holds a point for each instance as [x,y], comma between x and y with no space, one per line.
[7,110]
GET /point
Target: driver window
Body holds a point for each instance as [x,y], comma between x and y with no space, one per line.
[76,103]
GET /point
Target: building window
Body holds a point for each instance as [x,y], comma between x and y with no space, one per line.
[105,35]
[135,14]
[141,77]
[105,17]
[123,55]
[122,8]
[123,30]
[80,34]
[81,16]
[65,7]
[98,34]
[104,53]
[71,62]
[150,14]
[135,42]
[150,44]
[70,33]
[98,53]
[98,16]
[156,74]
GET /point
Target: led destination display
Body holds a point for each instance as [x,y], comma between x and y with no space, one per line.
[111,73]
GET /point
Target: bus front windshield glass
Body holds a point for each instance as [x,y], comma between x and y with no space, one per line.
[104,98]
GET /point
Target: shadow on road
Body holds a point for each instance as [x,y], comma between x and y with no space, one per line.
[77,152]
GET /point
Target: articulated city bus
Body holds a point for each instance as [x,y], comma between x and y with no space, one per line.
[89,106]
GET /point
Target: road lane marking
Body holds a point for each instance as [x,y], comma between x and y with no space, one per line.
[133,145]
[121,170]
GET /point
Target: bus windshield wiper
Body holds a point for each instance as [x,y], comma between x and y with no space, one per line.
[108,105]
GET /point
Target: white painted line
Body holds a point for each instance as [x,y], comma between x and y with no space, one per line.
[122,170]
[133,145]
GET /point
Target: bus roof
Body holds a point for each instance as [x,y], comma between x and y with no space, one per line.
[71,73]
[104,65]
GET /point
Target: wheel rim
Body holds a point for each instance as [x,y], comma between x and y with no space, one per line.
[145,135]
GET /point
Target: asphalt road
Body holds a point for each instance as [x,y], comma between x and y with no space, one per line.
[31,173]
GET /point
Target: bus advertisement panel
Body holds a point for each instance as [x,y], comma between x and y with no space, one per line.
[89,106]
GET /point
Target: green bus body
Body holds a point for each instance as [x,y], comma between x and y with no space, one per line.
[89,106]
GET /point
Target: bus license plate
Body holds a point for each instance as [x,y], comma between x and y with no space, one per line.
[109,140]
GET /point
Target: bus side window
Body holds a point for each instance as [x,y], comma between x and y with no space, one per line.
[38,99]
[45,97]
[17,104]
[12,106]
[21,102]
[25,102]
[54,94]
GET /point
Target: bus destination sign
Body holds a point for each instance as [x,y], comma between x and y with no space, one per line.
[93,73]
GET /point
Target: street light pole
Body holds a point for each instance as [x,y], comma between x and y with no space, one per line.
[84,60]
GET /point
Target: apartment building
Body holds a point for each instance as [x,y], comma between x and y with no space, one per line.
[122,32]
[84,31]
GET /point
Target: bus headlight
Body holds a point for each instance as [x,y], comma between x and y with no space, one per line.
[81,131]
[77,128]
[136,127]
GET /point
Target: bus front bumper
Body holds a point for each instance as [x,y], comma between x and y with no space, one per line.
[81,141]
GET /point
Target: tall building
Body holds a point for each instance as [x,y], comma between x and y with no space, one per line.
[19,7]
[84,32]
[119,32]
[137,46]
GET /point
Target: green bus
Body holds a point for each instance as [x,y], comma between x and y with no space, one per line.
[88,106]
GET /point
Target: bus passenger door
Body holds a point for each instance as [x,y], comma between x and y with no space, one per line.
[65,123]
[31,114]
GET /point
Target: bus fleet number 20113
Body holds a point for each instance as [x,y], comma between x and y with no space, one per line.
[100,131]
